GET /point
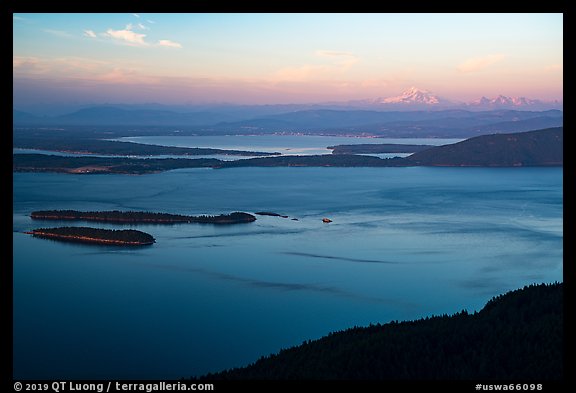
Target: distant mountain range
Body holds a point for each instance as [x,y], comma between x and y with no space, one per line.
[449,123]
[508,102]
[111,115]
[415,113]
[415,98]
[412,99]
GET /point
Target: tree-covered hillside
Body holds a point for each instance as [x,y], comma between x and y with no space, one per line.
[516,336]
[532,148]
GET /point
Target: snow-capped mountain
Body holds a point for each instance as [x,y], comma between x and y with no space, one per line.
[504,102]
[419,99]
[413,96]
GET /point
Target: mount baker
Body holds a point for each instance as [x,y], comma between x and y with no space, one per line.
[419,98]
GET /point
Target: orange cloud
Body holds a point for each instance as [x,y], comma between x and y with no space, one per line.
[170,44]
[78,69]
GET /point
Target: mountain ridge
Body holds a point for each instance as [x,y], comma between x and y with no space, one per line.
[530,148]
[449,123]
[411,99]
[422,99]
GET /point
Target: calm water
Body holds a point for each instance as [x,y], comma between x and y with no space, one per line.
[404,243]
[284,144]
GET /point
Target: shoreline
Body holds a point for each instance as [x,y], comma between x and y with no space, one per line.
[88,239]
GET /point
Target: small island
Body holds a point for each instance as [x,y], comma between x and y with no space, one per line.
[115,237]
[271,214]
[134,217]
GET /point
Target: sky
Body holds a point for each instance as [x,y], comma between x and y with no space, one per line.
[282,58]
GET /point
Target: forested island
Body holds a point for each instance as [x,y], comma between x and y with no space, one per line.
[271,214]
[134,217]
[517,336]
[116,237]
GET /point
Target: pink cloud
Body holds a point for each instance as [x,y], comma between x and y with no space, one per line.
[479,63]
[339,64]
[78,69]
[168,43]
[554,68]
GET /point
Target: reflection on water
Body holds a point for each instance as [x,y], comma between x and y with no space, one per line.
[404,243]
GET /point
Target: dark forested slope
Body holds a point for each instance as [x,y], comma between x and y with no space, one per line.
[516,336]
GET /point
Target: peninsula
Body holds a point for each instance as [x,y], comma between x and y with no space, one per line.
[120,237]
[24,140]
[134,217]
[377,148]
[105,165]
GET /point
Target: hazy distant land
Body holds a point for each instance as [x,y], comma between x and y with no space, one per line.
[532,148]
[411,121]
